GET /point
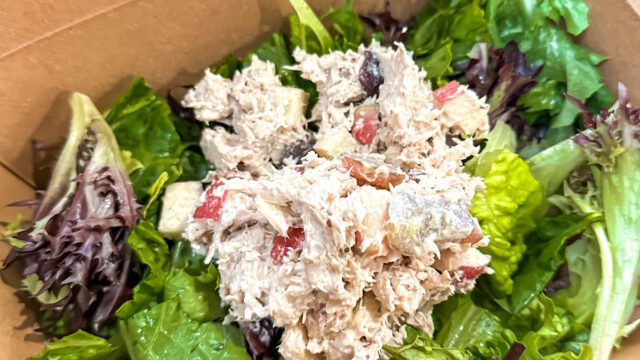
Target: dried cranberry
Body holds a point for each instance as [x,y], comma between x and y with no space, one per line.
[371,76]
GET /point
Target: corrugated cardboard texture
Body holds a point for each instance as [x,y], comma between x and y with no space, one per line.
[17,336]
[49,48]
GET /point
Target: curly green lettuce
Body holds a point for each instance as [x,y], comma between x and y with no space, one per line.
[505,210]
[611,143]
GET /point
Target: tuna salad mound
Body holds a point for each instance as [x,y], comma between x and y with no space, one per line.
[344,234]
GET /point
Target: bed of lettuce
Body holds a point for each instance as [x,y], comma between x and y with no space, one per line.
[558,229]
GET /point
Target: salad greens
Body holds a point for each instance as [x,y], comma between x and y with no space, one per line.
[81,346]
[162,146]
[77,262]
[174,307]
[505,210]
[561,204]
[612,144]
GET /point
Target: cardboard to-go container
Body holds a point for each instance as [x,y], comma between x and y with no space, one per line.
[50,48]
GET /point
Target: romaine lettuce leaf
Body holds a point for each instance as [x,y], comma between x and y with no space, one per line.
[418,345]
[157,140]
[505,210]
[166,332]
[81,346]
[151,250]
[149,246]
[475,329]
[182,275]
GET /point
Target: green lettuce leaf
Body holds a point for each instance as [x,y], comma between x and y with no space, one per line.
[7,234]
[545,96]
[347,26]
[195,283]
[565,62]
[181,274]
[149,246]
[543,326]
[166,332]
[143,125]
[151,250]
[418,345]
[574,13]
[307,31]
[194,166]
[198,294]
[33,285]
[229,65]
[552,165]
[81,346]
[444,33]
[158,145]
[500,137]
[438,64]
[583,260]
[505,210]
[545,254]
[475,329]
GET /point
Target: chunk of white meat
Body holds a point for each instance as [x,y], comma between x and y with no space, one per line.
[465,114]
[244,263]
[178,203]
[266,117]
[209,98]
[294,344]
[224,150]
[336,76]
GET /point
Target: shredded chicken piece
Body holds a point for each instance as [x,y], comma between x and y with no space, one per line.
[265,115]
[209,98]
[336,79]
[370,231]
[466,114]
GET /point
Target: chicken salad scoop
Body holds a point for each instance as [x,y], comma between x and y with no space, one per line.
[363,230]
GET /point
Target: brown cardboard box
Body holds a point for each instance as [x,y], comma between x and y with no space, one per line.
[50,48]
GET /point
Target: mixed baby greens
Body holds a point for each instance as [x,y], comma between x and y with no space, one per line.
[561,204]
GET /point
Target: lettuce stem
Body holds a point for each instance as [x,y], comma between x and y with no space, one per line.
[621,204]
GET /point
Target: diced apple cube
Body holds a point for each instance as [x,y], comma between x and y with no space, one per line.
[179,200]
[296,107]
[335,142]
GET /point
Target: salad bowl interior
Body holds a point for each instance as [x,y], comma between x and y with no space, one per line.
[97,47]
